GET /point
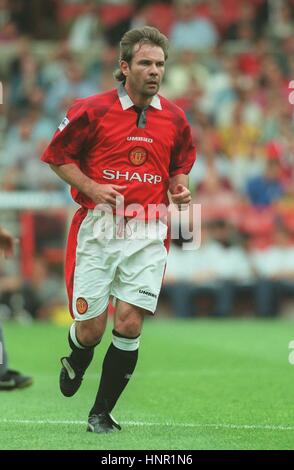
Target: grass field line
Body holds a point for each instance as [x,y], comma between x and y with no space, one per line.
[155,373]
[263,427]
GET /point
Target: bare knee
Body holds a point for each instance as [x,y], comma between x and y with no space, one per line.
[90,332]
[129,322]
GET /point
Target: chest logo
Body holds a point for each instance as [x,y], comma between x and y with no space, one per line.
[138,156]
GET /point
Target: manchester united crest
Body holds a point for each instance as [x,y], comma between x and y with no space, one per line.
[82,305]
[138,156]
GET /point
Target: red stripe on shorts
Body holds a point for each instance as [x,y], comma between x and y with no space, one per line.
[70,258]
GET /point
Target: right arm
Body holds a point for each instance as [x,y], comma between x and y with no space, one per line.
[6,242]
[98,193]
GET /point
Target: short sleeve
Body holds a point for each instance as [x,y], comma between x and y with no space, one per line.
[70,138]
[184,152]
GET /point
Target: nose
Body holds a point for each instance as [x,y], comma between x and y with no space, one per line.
[153,69]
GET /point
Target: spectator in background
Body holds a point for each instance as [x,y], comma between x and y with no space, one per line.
[8,28]
[19,144]
[245,135]
[209,160]
[54,69]
[275,268]
[84,29]
[282,25]
[21,168]
[62,93]
[182,71]
[25,76]
[245,24]
[190,31]
[235,271]
[178,286]
[218,270]
[215,194]
[235,95]
[42,292]
[267,188]
[9,379]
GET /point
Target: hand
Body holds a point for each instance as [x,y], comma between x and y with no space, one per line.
[106,194]
[6,243]
[181,195]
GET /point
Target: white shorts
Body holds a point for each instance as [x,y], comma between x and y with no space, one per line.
[109,256]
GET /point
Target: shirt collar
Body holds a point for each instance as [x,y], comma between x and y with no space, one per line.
[127,103]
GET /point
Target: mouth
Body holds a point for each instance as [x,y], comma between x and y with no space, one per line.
[152,83]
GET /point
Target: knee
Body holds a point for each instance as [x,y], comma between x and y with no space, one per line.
[129,327]
[87,335]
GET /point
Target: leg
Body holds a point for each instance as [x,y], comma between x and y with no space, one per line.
[137,282]
[267,298]
[83,337]
[118,366]
[89,275]
[10,379]
[224,298]
[3,355]
[181,298]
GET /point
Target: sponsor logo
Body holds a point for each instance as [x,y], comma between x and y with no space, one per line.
[140,139]
[63,124]
[138,156]
[82,305]
[130,176]
[145,292]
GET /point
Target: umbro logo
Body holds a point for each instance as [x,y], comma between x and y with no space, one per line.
[145,292]
[140,139]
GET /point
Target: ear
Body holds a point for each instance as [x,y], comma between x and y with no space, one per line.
[124,67]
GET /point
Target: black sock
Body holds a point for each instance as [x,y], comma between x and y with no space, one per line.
[80,357]
[118,366]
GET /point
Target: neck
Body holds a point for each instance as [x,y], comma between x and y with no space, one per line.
[139,100]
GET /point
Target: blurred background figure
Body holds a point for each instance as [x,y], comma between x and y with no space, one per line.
[275,269]
[230,65]
[9,379]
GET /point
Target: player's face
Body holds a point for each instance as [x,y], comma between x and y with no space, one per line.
[144,74]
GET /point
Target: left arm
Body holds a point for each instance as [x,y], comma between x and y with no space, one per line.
[178,187]
[182,159]
[6,242]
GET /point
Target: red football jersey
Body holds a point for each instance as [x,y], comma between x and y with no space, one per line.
[111,144]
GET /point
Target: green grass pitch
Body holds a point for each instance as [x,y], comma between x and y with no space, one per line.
[202,384]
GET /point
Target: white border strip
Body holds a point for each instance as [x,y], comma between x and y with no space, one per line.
[262,427]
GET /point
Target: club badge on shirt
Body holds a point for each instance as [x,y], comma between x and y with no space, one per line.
[138,156]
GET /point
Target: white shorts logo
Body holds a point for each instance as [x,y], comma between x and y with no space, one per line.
[63,124]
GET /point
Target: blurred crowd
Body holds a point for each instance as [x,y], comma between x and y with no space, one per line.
[230,67]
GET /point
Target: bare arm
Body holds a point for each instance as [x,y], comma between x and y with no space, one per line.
[6,242]
[178,186]
[99,193]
